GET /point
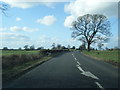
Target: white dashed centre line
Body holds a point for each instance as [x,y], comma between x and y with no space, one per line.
[78,63]
[80,68]
[98,84]
[87,73]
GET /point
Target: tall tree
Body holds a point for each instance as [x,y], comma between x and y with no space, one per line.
[91,28]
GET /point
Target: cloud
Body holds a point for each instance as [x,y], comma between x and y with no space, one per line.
[13,37]
[112,42]
[68,21]
[18,4]
[15,28]
[82,7]
[13,40]
[47,20]
[18,19]
[28,4]
[26,29]
[3,29]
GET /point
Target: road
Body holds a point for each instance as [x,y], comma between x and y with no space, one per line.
[70,70]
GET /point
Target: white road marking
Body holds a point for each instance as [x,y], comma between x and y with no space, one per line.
[73,55]
[80,68]
[98,84]
[78,63]
[75,58]
[89,74]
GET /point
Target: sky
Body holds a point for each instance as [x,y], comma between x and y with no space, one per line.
[42,23]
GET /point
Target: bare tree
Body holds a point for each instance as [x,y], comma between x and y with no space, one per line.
[26,47]
[3,7]
[58,46]
[53,46]
[32,47]
[40,48]
[91,28]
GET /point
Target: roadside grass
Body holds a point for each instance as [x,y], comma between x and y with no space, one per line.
[107,56]
[16,64]
[12,73]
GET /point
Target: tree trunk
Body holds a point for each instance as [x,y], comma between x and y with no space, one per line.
[88,46]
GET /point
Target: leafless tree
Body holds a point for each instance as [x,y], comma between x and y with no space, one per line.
[3,7]
[91,28]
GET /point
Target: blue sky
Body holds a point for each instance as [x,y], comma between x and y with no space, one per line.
[42,24]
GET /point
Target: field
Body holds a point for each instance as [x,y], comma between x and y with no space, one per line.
[108,56]
[18,52]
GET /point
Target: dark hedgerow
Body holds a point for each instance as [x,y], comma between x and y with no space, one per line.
[16,60]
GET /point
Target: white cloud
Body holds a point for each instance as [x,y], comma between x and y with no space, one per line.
[47,20]
[15,28]
[13,37]
[49,3]
[28,4]
[82,7]
[3,29]
[13,40]
[27,29]
[68,21]
[18,19]
[112,42]
[18,4]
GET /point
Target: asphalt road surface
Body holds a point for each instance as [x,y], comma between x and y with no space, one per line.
[70,70]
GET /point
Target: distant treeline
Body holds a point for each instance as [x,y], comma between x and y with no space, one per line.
[60,47]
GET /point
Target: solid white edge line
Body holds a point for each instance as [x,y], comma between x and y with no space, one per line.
[98,84]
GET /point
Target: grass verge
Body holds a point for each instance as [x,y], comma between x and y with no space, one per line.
[12,73]
[107,56]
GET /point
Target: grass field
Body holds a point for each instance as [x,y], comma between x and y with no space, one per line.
[108,56]
[18,52]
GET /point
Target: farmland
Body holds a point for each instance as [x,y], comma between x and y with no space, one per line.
[106,55]
[18,52]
